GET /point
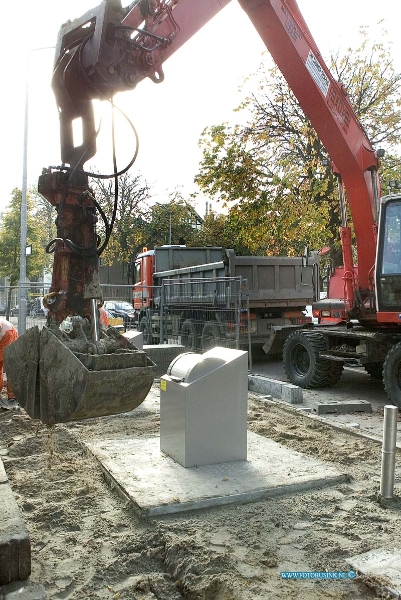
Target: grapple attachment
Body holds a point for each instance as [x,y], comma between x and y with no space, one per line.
[58,376]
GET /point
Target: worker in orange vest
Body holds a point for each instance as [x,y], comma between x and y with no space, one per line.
[8,334]
[103,317]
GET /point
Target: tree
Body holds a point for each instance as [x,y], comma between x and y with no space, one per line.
[131,214]
[212,233]
[172,222]
[275,168]
[10,242]
[44,215]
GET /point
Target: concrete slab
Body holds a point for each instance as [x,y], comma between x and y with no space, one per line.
[278,389]
[341,407]
[382,564]
[155,484]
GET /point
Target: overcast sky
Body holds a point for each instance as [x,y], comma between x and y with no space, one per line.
[200,87]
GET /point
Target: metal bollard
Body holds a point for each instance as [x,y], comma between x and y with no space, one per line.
[388,451]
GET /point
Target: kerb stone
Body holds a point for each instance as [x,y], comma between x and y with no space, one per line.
[15,544]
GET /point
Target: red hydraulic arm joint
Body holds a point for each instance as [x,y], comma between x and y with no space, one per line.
[108,50]
[349,271]
[111,49]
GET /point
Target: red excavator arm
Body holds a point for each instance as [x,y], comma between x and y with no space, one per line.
[111,49]
[325,103]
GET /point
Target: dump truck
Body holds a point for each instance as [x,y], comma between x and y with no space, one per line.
[207,296]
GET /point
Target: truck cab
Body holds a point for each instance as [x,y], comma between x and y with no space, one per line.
[144,267]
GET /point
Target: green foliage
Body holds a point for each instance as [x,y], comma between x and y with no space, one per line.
[373,86]
[172,222]
[390,170]
[214,232]
[10,240]
[44,216]
[270,172]
[137,224]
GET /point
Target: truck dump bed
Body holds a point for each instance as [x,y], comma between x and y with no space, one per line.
[269,281]
[275,281]
[205,284]
[168,258]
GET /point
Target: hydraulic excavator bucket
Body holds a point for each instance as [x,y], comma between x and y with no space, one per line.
[58,377]
[73,368]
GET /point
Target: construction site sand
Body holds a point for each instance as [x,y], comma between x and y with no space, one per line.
[88,543]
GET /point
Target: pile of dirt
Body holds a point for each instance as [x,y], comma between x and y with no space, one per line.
[89,543]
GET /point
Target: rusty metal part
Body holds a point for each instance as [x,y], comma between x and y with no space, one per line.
[89,371]
[59,377]
[75,280]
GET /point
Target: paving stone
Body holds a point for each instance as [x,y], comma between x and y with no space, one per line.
[343,407]
[381,563]
[291,393]
[278,389]
[156,484]
[15,544]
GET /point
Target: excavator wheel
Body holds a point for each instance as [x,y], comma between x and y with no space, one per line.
[303,365]
[392,375]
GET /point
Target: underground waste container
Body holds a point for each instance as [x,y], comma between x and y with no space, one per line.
[203,407]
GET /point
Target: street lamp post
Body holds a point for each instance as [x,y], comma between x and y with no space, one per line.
[22,303]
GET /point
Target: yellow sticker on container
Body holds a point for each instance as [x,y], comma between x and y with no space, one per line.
[163,385]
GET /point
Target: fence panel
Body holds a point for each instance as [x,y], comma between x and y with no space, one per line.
[201,313]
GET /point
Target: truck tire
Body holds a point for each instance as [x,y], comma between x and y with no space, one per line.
[210,336]
[303,365]
[375,370]
[188,335]
[392,375]
[146,329]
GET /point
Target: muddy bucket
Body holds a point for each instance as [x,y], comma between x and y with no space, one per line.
[55,384]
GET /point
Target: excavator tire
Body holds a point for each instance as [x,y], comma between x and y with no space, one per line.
[303,365]
[392,374]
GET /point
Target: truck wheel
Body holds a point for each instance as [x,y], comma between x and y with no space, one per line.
[188,335]
[145,328]
[375,370]
[392,374]
[303,365]
[210,336]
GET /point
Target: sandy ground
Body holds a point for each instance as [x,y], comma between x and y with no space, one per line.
[88,543]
